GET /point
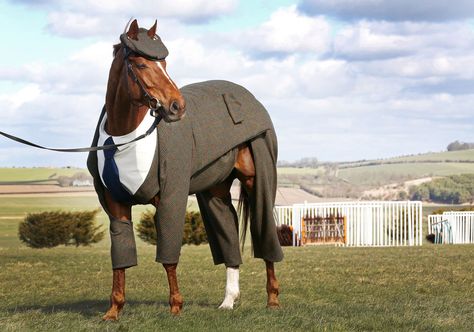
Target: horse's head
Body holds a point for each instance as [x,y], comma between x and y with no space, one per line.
[140,62]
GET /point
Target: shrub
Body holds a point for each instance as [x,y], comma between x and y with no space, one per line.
[454,189]
[465,208]
[146,227]
[50,229]
[194,231]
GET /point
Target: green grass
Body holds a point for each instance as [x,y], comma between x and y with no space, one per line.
[383,174]
[322,288]
[34,174]
[445,156]
[427,288]
[465,155]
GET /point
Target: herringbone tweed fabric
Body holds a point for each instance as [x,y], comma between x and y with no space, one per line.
[199,151]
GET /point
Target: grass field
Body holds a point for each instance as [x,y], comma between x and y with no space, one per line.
[465,155]
[35,174]
[322,288]
[389,173]
[448,156]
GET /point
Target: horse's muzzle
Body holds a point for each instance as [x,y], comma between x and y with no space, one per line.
[175,111]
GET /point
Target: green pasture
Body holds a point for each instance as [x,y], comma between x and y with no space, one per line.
[387,173]
[36,173]
[428,288]
[462,155]
[445,156]
[300,171]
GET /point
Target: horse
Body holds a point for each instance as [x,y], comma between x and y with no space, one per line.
[213,133]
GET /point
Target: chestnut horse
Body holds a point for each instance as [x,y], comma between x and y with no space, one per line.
[138,82]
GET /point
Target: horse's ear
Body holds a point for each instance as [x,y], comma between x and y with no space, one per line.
[152,31]
[132,32]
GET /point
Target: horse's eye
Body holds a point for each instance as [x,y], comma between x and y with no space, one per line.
[141,66]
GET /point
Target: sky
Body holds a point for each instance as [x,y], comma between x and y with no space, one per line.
[342,80]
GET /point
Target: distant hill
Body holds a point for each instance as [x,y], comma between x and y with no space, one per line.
[462,156]
[352,179]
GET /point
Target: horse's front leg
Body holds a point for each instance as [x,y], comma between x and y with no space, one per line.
[117,298]
[175,300]
[123,253]
[272,286]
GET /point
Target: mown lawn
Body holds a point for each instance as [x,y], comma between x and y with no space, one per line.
[322,288]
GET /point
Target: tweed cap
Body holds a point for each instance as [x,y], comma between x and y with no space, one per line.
[151,48]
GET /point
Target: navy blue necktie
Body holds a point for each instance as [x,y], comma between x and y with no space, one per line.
[110,175]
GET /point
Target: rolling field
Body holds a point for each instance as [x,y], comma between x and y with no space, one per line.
[35,174]
[445,156]
[322,288]
[388,173]
[399,169]
[464,155]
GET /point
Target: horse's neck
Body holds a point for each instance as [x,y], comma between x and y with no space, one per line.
[123,116]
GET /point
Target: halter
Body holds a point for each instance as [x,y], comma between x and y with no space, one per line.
[153,103]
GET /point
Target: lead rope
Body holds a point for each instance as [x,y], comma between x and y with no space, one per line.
[92,148]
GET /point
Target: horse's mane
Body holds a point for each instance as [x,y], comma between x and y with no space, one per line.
[116,48]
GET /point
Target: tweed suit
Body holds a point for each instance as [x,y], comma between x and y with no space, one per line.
[194,154]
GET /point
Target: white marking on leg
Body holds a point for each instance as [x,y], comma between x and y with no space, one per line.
[232,291]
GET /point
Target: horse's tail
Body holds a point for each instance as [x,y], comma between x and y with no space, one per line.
[257,208]
[244,213]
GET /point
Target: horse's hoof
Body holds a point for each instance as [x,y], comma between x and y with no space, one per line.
[176,304]
[175,311]
[110,316]
[230,301]
[273,305]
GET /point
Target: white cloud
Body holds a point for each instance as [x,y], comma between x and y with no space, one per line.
[369,40]
[287,32]
[12,102]
[100,18]
[390,10]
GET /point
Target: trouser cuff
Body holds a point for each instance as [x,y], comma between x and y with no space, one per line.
[123,249]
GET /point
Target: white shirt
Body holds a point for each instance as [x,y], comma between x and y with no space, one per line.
[133,160]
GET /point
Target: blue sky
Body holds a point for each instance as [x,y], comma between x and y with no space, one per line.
[342,80]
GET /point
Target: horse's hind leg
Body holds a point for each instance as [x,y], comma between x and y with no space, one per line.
[272,286]
[264,237]
[221,222]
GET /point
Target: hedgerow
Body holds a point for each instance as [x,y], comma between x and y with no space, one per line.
[194,231]
[53,228]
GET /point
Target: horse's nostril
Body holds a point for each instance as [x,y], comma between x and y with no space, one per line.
[174,107]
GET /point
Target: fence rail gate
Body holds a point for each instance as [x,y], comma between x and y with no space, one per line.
[379,223]
[454,227]
[323,230]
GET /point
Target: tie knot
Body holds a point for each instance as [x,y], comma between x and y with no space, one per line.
[109,153]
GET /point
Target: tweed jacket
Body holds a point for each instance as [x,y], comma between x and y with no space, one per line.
[220,115]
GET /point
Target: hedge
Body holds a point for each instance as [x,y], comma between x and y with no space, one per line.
[53,228]
[194,231]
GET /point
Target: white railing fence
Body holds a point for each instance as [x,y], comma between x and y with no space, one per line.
[382,223]
[454,227]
